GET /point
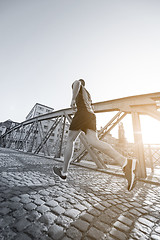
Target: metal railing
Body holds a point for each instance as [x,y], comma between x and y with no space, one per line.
[30,136]
[151,153]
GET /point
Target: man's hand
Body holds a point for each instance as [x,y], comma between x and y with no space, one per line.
[73,105]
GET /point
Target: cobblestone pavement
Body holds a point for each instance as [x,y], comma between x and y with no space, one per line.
[36,205]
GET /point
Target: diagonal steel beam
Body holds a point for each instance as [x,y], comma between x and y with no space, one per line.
[61,135]
[111,124]
[48,134]
[41,134]
[30,147]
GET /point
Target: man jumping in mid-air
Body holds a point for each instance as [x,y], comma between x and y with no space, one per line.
[85,120]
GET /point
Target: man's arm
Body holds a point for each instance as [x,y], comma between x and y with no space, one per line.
[75,89]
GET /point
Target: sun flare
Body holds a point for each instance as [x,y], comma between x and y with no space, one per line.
[150,130]
[150,127]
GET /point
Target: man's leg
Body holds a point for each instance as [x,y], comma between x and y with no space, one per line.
[104,147]
[128,165]
[69,149]
[62,171]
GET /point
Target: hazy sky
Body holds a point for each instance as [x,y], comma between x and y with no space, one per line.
[47,44]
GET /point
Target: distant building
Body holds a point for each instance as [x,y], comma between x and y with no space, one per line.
[34,138]
[54,145]
[4,128]
[39,109]
[7,125]
[29,137]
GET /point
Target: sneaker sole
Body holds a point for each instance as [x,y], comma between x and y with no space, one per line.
[64,180]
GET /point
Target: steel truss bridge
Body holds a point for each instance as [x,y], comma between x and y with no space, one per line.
[146,104]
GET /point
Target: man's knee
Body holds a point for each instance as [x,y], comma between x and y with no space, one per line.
[72,136]
[91,140]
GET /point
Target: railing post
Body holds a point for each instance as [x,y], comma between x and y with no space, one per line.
[150,158]
[63,129]
[139,147]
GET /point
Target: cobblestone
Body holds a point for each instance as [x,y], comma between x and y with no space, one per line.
[125,220]
[56,232]
[122,227]
[157,229]
[48,218]
[103,227]
[74,233]
[52,203]
[58,210]
[118,234]
[88,217]
[22,224]
[35,231]
[22,236]
[36,205]
[72,213]
[30,206]
[81,225]
[94,233]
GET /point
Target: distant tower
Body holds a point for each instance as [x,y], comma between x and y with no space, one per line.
[121,134]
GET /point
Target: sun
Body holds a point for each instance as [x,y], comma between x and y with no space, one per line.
[150,128]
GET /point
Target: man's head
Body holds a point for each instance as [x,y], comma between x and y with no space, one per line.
[82,82]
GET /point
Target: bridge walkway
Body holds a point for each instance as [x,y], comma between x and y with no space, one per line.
[35,204]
